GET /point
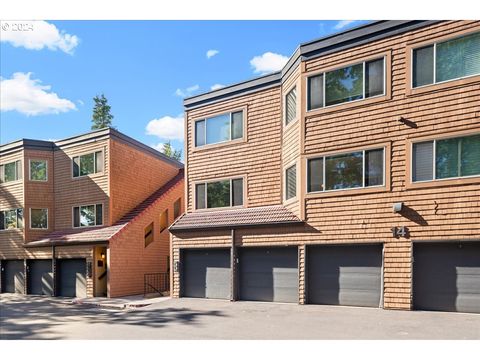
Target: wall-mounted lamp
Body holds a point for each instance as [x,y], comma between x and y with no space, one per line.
[397,207]
[102,255]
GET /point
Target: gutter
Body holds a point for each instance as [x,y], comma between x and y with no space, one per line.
[235,226]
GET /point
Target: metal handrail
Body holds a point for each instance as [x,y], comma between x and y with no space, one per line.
[158,282]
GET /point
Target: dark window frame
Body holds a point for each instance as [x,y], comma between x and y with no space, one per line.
[18,172]
[364,97]
[231,197]
[95,163]
[95,214]
[19,219]
[434,159]
[434,65]
[364,170]
[205,128]
[288,121]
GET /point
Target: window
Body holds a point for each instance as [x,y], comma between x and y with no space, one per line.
[447,60]
[446,158]
[86,164]
[38,218]
[346,171]
[11,171]
[218,129]
[164,220]
[177,208]
[216,194]
[291,182]
[88,215]
[11,219]
[38,170]
[350,83]
[148,235]
[291,106]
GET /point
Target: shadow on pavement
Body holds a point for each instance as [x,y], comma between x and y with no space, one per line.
[36,317]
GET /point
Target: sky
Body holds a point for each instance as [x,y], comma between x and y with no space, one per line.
[51,70]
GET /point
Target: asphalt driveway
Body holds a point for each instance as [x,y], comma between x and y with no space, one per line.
[23,317]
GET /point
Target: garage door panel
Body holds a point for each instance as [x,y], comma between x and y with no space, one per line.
[206,273]
[269,274]
[446,277]
[40,277]
[71,277]
[345,275]
[13,280]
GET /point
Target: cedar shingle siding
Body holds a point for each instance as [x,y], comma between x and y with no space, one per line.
[434,211]
[136,185]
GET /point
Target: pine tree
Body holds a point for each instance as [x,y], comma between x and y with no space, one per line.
[101,117]
[171,152]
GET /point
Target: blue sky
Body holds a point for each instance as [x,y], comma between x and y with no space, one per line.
[144,68]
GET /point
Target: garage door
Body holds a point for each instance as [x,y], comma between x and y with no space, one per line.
[269,274]
[345,275]
[71,278]
[13,276]
[206,273]
[446,277]
[40,277]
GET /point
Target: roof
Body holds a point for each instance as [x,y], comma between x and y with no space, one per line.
[325,45]
[106,233]
[234,218]
[89,136]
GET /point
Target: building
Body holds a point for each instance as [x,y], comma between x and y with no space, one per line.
[350,177]
[87,215]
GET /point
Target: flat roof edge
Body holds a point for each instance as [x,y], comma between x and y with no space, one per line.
[335,42]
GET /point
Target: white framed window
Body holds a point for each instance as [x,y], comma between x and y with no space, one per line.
[38,219]
[356,169]
[38,170]
[346,84]
[11,219]
[219,129]
[219,193]
[87,215]
[11,171]
[447,158]
[446,60]
[86,164]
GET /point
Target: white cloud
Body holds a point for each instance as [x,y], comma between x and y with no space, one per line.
[212,53]
[216,87]
[187,92]
[81,102]
[36,35]
[29,97]
[268,62]
[167,127]
[343,23]
[158,147]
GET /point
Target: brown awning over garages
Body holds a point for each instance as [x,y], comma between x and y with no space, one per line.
[235,218]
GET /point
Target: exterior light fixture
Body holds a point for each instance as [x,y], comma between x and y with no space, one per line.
[397,207]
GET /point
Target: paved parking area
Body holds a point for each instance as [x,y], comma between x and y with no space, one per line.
[25,317]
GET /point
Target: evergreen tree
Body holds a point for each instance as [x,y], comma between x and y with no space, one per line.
[171,152]
[101,117]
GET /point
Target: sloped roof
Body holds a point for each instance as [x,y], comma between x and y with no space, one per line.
[105,233]
[234,218]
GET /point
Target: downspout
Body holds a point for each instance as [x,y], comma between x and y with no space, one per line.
[233,268]
[54,272]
